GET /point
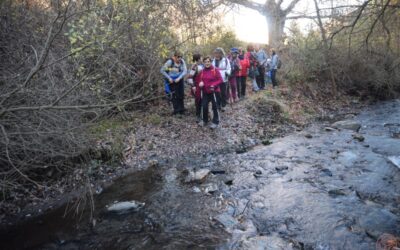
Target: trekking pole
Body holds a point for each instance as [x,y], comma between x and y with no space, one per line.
[201,104]
[215,100]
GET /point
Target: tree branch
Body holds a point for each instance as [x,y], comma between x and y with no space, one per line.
[249,4]
[290,7]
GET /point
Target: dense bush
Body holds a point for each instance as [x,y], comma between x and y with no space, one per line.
[65,64]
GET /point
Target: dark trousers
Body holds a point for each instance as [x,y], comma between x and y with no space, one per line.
[207,98]
[178,94]
[273,77]
[260,78]
[222,97]
[241,85]
[198,104]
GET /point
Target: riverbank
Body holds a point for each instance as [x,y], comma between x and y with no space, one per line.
[152,137]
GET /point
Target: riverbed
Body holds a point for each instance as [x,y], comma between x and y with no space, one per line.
[320,188]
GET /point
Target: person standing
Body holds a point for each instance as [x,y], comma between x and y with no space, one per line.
[274,67]
[194,80]
[251,55]
[224,67]
[235,70]
[174,70]
[261,61]
[210,80]
[242,75]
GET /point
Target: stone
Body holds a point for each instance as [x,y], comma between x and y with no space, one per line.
[196,190]
[308,136]
[336,192]
[347,124]
[266,142]
[395,160]
[197,175]
[210,188]
[215,172]
[348,158]
[358,137]
[226,220]
[266,243]
[153,163]
[281,168]
[125,206]
[258,173]
[329,129]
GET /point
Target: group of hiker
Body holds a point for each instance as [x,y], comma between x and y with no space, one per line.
[220,79]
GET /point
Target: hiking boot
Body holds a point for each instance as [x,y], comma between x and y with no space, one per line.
[213,126]
[201,124]
[223,109]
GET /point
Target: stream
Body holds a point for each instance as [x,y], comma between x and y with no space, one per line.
[322,188]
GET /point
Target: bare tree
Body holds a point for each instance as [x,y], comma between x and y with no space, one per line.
[275,14]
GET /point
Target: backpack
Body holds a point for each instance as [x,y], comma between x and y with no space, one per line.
[235,65]
[279,63]
[173,64]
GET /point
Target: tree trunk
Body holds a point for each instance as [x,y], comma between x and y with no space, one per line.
[274,13]
[276,24]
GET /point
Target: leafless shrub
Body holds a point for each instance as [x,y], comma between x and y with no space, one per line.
[65,64]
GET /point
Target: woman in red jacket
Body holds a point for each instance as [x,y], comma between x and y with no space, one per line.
[242,74]
[210,80]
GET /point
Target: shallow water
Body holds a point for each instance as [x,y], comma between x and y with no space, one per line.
[326,192]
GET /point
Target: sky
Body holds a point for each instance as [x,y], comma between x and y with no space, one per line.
[250,26]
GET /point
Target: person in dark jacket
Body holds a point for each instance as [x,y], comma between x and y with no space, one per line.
[210,80]
[194,80]
[274,67]
[174,70]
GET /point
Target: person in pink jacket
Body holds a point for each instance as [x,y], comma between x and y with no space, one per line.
[242,75]
[211,79]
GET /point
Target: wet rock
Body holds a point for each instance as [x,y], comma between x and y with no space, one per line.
[395,160]
[210,188]
[347,158]
[196,190]
[241,150]
[197,175]
[281,168]
[215,172]
[308,136]
[379,221]
[349,116]
[125,206]
[266,243]
[266,142]
[336,192]
[229,182]
[227,221]
[326,172]
[329,129]
[258,173]
[153,163]
[358,137]
[346,124]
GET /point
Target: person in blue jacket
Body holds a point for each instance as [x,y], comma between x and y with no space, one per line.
[174,71]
